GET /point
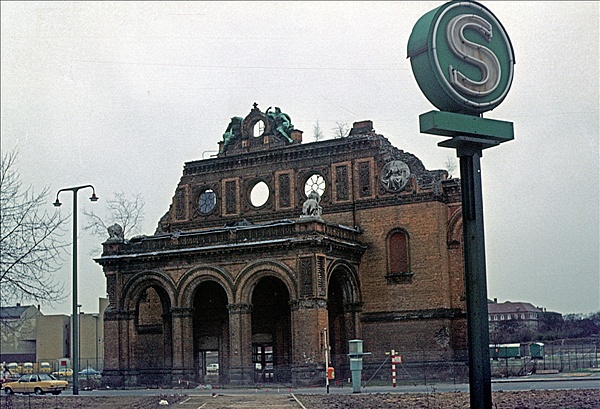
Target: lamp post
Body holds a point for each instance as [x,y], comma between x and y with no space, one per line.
[96,317]
[79,333]
[75,332]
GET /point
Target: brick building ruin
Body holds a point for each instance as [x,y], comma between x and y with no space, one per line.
[249,265]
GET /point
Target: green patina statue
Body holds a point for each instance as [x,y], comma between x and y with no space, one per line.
[233,131]
[281,123]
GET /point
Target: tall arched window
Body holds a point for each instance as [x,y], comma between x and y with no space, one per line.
[398,253]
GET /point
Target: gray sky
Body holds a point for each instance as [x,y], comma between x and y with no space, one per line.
[121,94]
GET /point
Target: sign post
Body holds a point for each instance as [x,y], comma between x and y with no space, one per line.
[463,62]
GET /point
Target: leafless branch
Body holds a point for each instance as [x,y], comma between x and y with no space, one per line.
[31,245]
[121,209]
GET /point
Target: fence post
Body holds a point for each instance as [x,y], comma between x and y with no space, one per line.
[393,368]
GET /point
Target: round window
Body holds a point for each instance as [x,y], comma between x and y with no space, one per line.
[207,202]
[315,183]
[259,194]
[259,128]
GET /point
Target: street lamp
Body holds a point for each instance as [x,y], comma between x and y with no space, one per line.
[96,317]
[75,332]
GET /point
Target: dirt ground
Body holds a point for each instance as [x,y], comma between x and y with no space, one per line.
[535,399]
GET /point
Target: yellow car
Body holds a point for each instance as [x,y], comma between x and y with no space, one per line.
[63,373]
[36,383]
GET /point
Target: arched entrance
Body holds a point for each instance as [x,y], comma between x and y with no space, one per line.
[211,333]
[271,331]
[154,348]
[342,304]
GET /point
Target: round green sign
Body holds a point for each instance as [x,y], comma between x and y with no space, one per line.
[462,58]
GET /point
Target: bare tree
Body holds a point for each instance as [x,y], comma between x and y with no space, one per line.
[341,130]
[317,132]
[128,212]
[31,245]
[450,166]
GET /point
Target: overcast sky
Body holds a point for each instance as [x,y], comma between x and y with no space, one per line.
[121,94]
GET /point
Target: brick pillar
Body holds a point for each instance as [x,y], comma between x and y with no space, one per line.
[352,320]
[117,352]
[309,319]
[130,345]
[183,344]
[240,344]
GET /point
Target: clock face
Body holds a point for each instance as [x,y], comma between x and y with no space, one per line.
[207,202]
[315,183]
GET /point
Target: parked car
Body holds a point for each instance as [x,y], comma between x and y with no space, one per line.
[36,383]
[90,372]
[212,368]
[45,367]
[63,373]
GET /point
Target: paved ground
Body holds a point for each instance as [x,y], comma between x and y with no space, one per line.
[535,399]
[571,392]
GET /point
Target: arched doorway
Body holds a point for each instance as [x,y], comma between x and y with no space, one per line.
[211,333]
[154,348]
[271,331]
[342,304]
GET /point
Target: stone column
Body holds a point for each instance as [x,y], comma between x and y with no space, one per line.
[240,344]
[309,319]
[183,344]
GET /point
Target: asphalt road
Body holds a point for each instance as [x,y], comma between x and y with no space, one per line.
[516,384]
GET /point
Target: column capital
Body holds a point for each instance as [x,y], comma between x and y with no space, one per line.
[118,315]
[308,304]
[182,312]
[353,307]
[239,308]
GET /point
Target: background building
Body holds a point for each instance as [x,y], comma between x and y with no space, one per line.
[274,248]
[30,336]
[18,333]
[523,314]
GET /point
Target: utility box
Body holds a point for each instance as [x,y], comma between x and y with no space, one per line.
[355,349]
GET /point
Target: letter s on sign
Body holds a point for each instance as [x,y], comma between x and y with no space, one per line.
[461,57]
[473,53]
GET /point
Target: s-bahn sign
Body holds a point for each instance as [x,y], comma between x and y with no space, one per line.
[462,58]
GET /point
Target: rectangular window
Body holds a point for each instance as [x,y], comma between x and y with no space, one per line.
[284,190]
[364,179]
[341,182]
[398,251]
[180,204]
[230,197]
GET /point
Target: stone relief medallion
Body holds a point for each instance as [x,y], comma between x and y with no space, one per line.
[394,176]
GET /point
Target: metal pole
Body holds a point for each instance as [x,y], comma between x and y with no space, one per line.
[326,360]
[75,319]
[475,277]
[75,302]
[97,317]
